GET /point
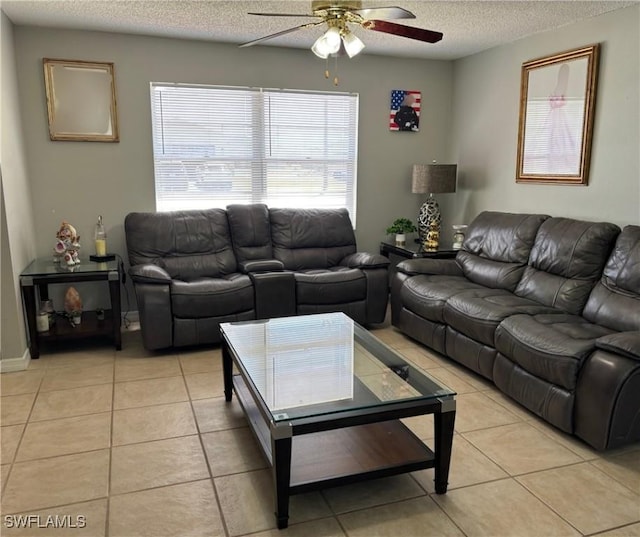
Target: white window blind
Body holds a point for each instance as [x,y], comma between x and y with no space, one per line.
[219,145]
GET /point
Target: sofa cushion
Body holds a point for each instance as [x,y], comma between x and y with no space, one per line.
[497,247]
[311,238]
[330,286]
[187,244]
[549,346]
[426,295]
[212,297]
[566,260]
[478,312]
[250,231]
[615,300]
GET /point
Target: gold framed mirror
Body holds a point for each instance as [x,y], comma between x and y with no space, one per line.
[81,100]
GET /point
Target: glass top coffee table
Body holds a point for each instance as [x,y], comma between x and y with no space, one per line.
[324,398]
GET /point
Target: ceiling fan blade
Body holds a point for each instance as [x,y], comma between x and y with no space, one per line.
[283,32]
[283,14]
[393,28]
[391,12]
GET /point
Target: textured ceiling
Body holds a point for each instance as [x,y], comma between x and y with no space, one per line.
[468,26]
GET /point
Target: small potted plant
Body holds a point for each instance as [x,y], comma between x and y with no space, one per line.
[75,317]
[400,227]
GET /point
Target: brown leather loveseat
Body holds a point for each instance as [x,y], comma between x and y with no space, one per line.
[546,308]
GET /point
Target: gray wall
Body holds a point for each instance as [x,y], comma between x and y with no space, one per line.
[470,116]
[79,180]
[17,238]
[485,128]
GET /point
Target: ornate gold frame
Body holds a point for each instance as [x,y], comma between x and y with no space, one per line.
[554,147]
[81,100]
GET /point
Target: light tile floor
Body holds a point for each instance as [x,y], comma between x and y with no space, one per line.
[140,443]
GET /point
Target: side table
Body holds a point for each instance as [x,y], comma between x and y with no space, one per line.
[42,272]
[415,250]
[410,250]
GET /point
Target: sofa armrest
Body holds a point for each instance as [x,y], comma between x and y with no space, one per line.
[365,260]
[261,265]
[624,343]
[149,274]
[413,267]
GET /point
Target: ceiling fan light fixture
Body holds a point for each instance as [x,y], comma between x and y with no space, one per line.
[332,37]
[352,44]
[327,44]
[320,48]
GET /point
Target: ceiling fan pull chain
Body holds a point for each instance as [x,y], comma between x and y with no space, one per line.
[326,67]
[335,78]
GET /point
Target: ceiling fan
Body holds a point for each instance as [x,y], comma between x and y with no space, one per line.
[338,14]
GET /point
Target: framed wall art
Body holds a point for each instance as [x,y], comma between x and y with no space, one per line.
[81,100]
[404,114]
[557,104]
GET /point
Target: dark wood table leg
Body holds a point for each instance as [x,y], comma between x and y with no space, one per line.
[29,297]
[116,313]
[227,370]
[444,425]
[281,453]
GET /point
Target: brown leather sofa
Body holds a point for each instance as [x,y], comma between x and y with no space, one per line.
[193,270]
[546,308]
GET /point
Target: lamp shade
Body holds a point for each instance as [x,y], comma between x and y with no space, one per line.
[434,178]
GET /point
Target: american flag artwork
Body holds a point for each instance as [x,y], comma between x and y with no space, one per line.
[405,111]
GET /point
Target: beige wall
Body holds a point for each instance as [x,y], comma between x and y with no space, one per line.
[17,242]
[485,128]
[78,181]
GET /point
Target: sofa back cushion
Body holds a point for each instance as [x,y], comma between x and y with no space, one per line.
[311,238]
[615,300]
[250,231]
[566,261]
[497,248]
[187,244]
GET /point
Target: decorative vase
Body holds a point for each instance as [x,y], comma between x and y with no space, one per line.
[458,236]
[401,239]
[76,318]
[429,216]
[72,301]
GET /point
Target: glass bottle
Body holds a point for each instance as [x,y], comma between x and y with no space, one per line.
[100,237]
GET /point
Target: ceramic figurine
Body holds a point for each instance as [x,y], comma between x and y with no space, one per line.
[67,246]
[432,239]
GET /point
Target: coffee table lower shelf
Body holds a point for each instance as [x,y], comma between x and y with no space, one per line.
[341,456]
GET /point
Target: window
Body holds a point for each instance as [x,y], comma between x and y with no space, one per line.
[216,145]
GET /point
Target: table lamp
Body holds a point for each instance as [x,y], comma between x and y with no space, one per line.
[432,179]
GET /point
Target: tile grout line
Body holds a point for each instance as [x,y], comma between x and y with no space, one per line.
[110,465]
[211,479]
[22,434]
[610,476]
[547,505]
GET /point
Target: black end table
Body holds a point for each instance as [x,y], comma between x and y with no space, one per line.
[413,250]
[42,272]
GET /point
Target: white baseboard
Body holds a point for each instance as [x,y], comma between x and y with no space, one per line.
[19,363]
